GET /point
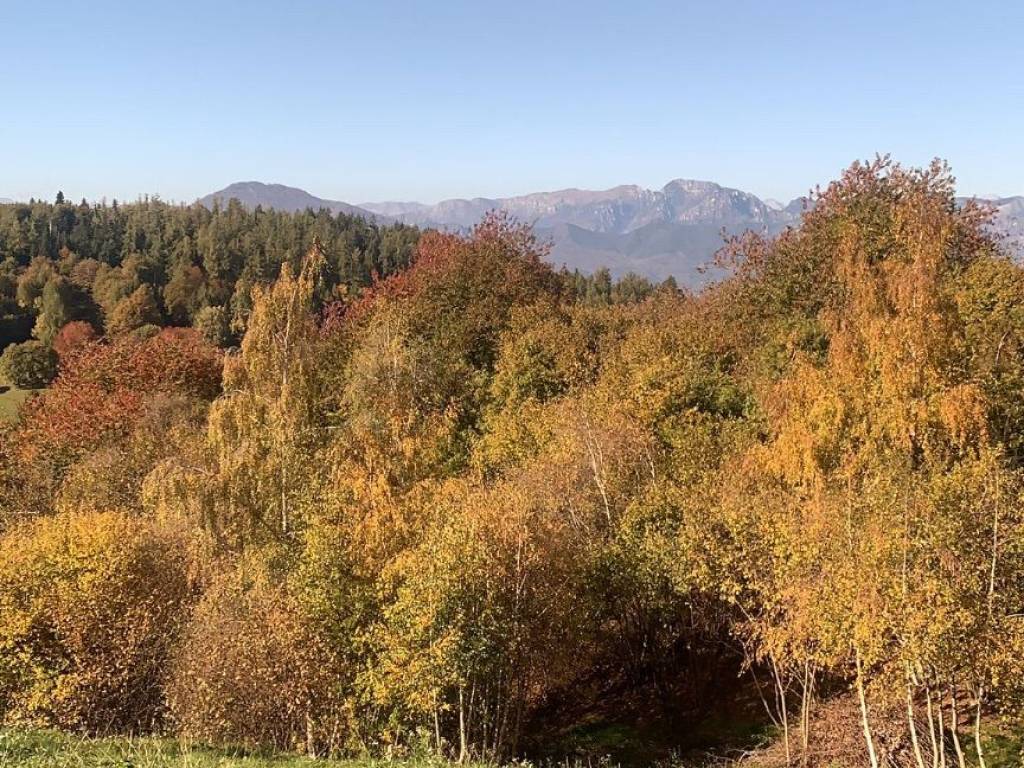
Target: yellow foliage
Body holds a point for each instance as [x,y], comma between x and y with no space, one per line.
[91,605]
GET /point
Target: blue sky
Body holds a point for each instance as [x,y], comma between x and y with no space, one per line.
[391,100]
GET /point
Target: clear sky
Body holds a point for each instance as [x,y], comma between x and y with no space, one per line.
[388,100]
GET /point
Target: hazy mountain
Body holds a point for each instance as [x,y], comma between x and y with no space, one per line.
[281,198]
[618,210]
[1010,220]
[656,250]
[5,201]
[674,230]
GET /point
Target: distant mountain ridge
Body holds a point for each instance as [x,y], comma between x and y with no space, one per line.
[281,198]
[617,210]
[1010,220]
[674,230]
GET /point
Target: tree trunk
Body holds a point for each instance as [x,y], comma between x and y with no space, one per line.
[868,738]
[310,736]
[463,747]
[977,728]
[437,729]
[805,713]
[912,724]
[931,726]
[954,727]
[942,736]
[780,697]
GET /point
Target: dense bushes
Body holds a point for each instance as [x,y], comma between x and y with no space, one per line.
[123,400]
[251,671]
[462,509]
[91,607]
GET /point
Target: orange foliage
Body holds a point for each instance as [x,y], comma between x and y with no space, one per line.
[98,397]
[73,336]
[251,670]
[101,390]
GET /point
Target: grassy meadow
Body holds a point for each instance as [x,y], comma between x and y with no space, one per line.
[10,401]
[53,749]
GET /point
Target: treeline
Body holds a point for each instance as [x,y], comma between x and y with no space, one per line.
[120,269]
[599,288]
[132,268]
[466,511]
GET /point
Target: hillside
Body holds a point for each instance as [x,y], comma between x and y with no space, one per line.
[465,514]
[113,269]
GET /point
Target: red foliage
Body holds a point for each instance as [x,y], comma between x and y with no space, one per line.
[73,336]
[498,253]
[102,390]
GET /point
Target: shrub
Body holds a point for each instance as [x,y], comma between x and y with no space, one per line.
[31,365]
[214,325]
[90,607]
[134,311]
[250,670]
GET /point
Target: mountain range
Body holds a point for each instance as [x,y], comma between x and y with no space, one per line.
[674,230]
[656,233]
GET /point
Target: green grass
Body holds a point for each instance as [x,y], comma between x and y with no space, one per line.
[1003,747]
[10,402]
[51,749]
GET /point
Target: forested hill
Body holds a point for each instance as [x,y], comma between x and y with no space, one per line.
[85,270]
[121,267]
[282,198]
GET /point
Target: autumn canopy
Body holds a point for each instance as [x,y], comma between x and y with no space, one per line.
[468,509]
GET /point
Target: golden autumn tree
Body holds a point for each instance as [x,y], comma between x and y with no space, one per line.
[250,478]
[91,607]
[854,481]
